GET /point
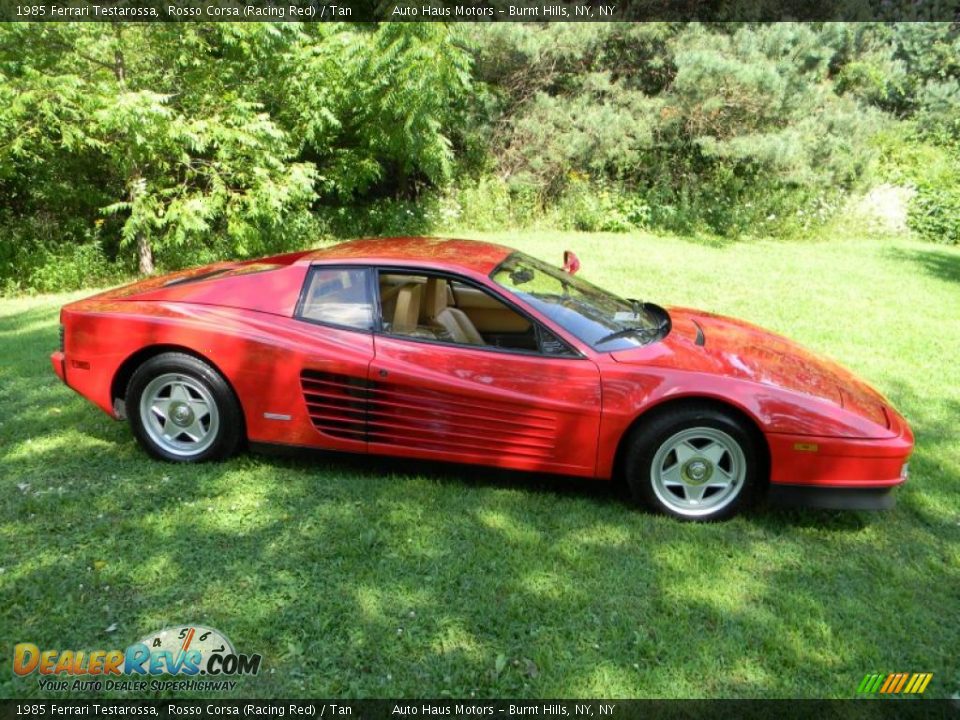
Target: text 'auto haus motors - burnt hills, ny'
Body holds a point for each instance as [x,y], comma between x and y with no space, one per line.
[546,11]
[527,708]
[185,652]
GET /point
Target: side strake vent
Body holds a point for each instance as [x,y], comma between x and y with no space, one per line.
[337,404]
[381,412]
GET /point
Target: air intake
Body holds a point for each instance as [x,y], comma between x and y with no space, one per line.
[337,404]
[352,408]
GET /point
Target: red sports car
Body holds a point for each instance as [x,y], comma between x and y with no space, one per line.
[472,352]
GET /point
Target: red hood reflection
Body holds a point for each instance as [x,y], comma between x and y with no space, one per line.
[734,348]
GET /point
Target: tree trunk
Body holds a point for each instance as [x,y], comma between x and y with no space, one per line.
[144,248]
[119,64]
[145,254]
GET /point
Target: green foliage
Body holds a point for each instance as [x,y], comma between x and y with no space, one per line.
[35,261]
[490,203]
[415,77]
[935,214]
[939,113]
[934,211]
[376,108]
[932,169]
[380,217]
[599,207]
[731,132]
[189,142]
[76,266]
[181,168]
[201,141]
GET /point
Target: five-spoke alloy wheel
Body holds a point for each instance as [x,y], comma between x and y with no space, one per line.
[693,462]
[181,409]
[179,414]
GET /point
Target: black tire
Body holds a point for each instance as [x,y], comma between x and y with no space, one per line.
[182,410]
[690,449]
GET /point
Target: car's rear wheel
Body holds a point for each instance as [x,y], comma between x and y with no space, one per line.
[182,410]
[694,462]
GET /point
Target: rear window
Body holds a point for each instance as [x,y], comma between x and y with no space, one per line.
[194,278]
[246,269]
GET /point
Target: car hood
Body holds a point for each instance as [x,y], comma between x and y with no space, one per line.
[704,342]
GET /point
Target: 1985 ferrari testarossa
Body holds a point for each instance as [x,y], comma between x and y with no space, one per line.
[471,352]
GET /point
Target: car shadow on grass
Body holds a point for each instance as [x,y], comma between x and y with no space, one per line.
[601,492]
[444,472]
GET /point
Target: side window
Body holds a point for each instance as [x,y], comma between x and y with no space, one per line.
[443,310]
[338,296]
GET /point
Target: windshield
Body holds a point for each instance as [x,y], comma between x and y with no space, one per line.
[597,317]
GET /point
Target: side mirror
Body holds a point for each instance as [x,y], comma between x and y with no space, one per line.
[571,263]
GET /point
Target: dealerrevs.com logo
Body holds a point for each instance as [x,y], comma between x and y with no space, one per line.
[186,651]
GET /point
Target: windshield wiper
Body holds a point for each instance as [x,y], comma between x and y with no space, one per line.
[623,332]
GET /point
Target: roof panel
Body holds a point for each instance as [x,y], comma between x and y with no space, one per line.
[480,257]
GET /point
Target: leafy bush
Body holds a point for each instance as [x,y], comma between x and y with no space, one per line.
[489,203]
[730,132]
[932,168]
[592,206]
[485,204]
[934,213]
[208,141]
[75,267]
[381,217]
[41,255]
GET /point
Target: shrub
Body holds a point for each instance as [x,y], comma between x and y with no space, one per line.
[75,267]
[47,263]
[909,157]
[596,206]
[934,214]
[380,217]
[733,132]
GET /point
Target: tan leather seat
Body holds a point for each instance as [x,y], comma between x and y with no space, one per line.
[406,313]
[437,312]
[388,299]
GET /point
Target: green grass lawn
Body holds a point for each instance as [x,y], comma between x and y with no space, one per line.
[368,578]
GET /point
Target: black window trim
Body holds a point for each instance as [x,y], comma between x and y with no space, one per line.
[576,354]
[372,291]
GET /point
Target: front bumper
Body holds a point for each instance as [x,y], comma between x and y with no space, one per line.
[832,498]
[842,473]
[59,362]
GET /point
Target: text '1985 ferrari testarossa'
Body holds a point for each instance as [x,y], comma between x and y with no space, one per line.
[471,352]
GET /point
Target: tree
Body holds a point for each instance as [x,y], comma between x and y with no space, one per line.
[189,158]
[219,137]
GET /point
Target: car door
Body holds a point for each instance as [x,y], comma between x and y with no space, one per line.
[335,319]
[516,399]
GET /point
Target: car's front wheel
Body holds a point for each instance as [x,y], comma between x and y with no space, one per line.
[182,410]
[694,462]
